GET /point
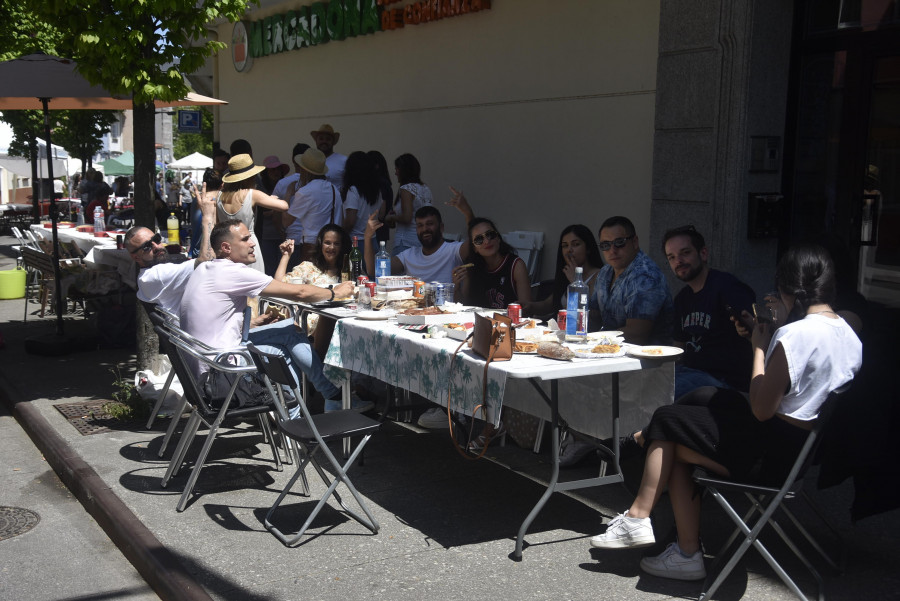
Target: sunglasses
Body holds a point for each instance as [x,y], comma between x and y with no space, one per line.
[488,235]
[618,243]
[148,245]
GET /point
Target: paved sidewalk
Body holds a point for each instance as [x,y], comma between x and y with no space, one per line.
[448,525]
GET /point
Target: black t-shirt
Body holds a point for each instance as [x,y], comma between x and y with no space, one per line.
[703,327]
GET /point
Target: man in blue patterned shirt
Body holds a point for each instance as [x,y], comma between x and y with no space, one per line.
[632,294]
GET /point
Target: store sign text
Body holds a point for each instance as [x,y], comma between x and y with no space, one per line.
[335,20]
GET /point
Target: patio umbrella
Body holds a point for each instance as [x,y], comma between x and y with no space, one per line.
[120,165]
[41,81]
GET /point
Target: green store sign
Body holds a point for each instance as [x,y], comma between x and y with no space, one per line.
[336,20]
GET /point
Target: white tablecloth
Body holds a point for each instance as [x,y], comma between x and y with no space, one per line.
[422,365]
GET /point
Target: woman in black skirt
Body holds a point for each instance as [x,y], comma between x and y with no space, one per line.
[794,369]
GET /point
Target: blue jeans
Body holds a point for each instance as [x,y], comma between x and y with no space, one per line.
[284,338]
[688,379]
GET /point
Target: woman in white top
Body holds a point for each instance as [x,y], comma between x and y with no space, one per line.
[239,197]
[794,370]
[412,196]
[360,191]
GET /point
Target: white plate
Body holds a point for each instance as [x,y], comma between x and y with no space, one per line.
[375,315]
[654,351]
[604,334]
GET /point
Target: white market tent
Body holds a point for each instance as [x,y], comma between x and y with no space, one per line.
[192,162]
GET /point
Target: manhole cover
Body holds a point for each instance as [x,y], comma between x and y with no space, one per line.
[89,418]
[15,521]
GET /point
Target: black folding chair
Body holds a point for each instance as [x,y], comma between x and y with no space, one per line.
[182,354]
[313,432]
[767,501]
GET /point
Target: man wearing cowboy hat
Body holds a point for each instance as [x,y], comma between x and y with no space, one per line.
[285,190]
[325,138]
[316,204]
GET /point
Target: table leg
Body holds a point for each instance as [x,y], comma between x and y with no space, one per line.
[345,403]
[554,485]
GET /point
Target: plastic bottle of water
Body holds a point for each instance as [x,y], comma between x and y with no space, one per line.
[576,306]
[79,217]
[382,262]
[99,220]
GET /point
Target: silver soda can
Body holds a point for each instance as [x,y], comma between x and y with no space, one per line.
[438,294]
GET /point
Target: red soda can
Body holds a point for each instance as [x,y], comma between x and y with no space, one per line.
[514,312]
[361,280]
[561,320]
[371,287]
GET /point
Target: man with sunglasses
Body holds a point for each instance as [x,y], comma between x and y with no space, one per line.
[632,294]
[436,259]
[163,276]
[714,353]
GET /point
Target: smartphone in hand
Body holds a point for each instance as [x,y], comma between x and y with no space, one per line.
[738,316]
[763,313]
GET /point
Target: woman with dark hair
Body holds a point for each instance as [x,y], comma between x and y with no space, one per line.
[360,191]
[497,277]
[332,245]
[412,196]
[382,234]
[577,248]
[794,370]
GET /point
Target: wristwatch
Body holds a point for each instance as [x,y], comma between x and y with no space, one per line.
[331,289]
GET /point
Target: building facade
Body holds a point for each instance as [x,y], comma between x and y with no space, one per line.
[756,121]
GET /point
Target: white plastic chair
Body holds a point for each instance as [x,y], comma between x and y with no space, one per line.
[529,246]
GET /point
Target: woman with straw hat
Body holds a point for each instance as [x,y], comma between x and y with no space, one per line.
[239,197]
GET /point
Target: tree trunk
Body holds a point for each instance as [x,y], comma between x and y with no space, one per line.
[144,175]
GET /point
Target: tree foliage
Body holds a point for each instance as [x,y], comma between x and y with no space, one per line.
[185,144]
[24,32]
[81,132]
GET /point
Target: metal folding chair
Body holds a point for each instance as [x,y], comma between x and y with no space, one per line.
[182,354]
[766,502]
[313,432]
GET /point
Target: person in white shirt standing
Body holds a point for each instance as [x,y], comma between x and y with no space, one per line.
[316,204]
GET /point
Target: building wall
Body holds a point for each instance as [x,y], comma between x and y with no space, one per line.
[541,112]
[722,79]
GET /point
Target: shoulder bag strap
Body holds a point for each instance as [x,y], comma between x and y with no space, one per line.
[482,406]
[332,202]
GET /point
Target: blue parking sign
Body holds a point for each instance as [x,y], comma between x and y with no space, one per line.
[189,122]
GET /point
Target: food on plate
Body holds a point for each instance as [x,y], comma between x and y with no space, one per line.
[555,350]
[606,348]
[459,326]
[527,324]
[525,347]
[398,305]
[652,351]
[424,311]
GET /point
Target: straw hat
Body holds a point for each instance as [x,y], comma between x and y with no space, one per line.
[240,167]
[313,161]
[326,129]
[273,162]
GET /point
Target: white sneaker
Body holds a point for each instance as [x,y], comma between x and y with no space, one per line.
[625,532]
[434,419]
[672,563]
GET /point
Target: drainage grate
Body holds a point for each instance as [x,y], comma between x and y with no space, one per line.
[15,521]
[89,418]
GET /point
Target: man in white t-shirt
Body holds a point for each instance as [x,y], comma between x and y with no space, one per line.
[432,262]
[163,276]
[435,259]
[214,300]
[325,138]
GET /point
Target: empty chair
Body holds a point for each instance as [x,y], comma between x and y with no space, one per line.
[529,246]
[766,501]
[313,432]
[183,353]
